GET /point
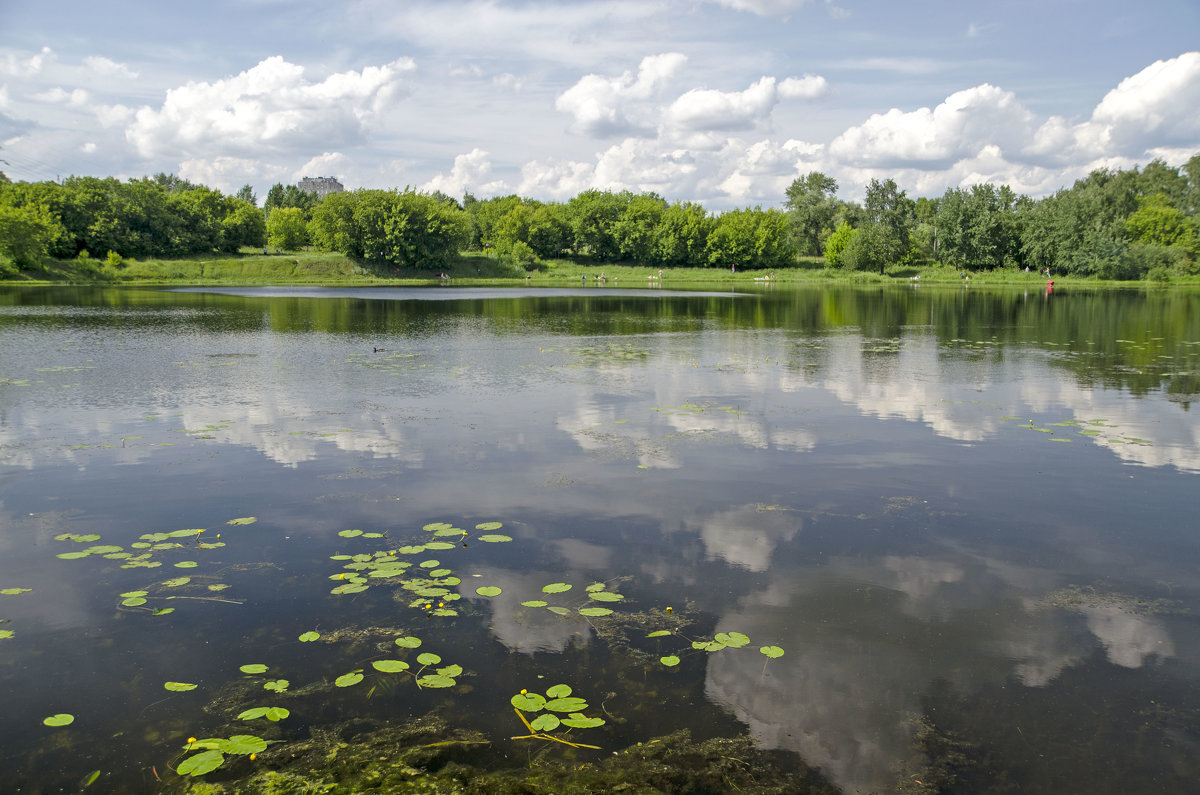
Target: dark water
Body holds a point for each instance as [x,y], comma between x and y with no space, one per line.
[968,518]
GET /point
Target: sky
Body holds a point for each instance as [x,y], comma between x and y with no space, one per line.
[722,102]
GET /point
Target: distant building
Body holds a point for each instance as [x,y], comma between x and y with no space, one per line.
[322,186]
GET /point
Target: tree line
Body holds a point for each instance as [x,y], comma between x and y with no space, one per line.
[1113,224]
[1116,224]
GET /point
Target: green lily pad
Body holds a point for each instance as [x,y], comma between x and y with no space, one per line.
[350,533]
[734,640]
[201,763]
[390,666]
[278,685]
[60,719]
[408,642]
[348,680]
[72,555]
[274,714]
[595,611]
[528,702]
[178,581]
[186,564]
[556,587]
[428,658]
[133,601]
[439,545]
[605,596]
[162,611]
[771,651]
[435,526]
[485,526]
[559,691]
[244,744]
[179,687]
[534,603]
[243,520]
[436,680]
[561,611]
[545,722]
[495,538]
[580,721]
[488,590]
[566,704]
[658,633]
[253,668]
[669,661]
[309,637]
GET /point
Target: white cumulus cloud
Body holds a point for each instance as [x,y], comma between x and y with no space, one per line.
[710,109]
[106,66]
[26,66]
[471,172]
[604,106]
[271,107]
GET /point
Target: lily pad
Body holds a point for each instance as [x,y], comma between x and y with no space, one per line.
[528,702]
[488,590]
[274,714]
[278,685]
[408,642]
[605,596]
[561,611]
[186,564]
[309,637]
[60,719]
[495,538]
[595,611]
[436,680]
[534,603]
[556,587]
[179,687]
[734,640]
[580,721]
[348,680]
[669,661]
[485,526]
[244,744]
[201,763]
[428,658]
[243,520]
[559,691]
[566,704]
[390,666]
[545,722]
[350,533]
[253,668]
[771,651]
[658,633]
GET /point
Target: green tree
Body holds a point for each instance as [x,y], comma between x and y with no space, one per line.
[681,236]
[246,194]
[634,230]
[286,228]
[751,238]
[594,215]
[811,208]
[25,235]
[243,225]
[837,243]
[890,212]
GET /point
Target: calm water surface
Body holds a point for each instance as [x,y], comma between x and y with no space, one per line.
[968,519]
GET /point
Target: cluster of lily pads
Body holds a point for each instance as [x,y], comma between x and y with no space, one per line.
[549,710]
[15,591]
[720,641]
[429,581]
[596,592]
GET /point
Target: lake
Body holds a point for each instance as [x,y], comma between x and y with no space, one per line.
[872,539]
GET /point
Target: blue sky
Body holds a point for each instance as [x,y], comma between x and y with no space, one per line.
[719,101]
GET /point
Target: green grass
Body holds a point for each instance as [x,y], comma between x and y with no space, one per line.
[252,267]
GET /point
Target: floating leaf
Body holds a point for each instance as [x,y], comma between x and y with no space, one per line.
[605,596]
[133,601]
[428,658]
[734,640]
[162,611]
[86,538]
[436,680]
[274,714]
[595,611]
[410,550]
[243,520]
[60,719]
[562,611]
[390,666]
[669,660]
[350,533]
[186,564]
[178,687]
[309,637]
[408,642]
[5,634]
[450,531]
[178,581]
[348,680]
[581,721]
[596,586]
[253,668]
[201,763]
[72,555]
[771,651]
[243,744]
[180,534]
[545,722]
[495,538]
[528,702]
[443,611]
[489,526]
[439,545]
[451,670]
[103,549]
[556,587]
[559,691]
[488,590]
[278,685]
[435,526]
[566,704]
[658,633]
[534,603]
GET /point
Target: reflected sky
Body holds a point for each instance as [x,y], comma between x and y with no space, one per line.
[894,510]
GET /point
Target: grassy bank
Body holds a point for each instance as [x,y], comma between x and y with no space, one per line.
[252,267]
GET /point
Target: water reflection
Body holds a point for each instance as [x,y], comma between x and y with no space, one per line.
[910,493]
